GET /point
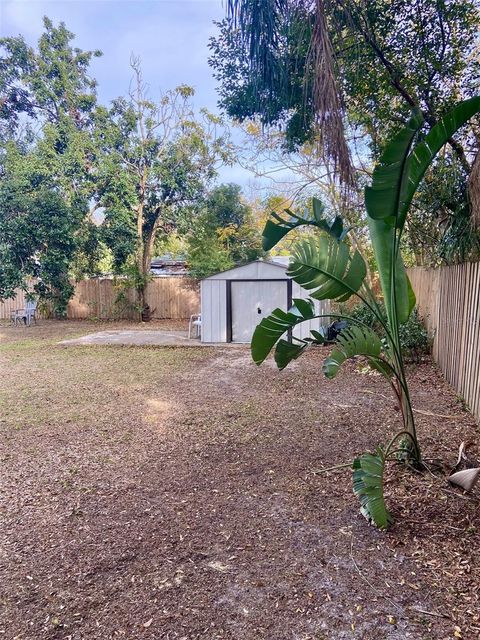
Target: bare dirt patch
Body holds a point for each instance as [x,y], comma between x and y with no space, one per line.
[173,493]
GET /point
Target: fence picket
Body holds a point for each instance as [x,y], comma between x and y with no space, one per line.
[449,300]
[171,298]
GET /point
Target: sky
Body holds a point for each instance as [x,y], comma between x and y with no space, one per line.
[170,37]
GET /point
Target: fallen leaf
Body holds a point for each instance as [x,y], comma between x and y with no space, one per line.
[218,566]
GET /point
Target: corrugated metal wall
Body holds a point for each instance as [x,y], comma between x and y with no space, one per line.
[214,310]
[214,300]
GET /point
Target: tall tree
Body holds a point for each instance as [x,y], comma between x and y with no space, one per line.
[46,85]
[159,161]
[47,120]
[231,217]
[323,69]
[39,230]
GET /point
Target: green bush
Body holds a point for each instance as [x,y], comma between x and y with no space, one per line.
[414,338]
[364,314]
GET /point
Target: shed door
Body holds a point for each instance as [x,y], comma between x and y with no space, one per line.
[252,301]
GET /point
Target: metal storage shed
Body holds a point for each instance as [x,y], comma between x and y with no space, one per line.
[235,301]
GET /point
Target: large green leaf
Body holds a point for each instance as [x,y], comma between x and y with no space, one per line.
[424,152]
[368,486]
[272,328]
[395,180]
[326,268]
[382,198]
[382,235]
[278,226]
[286,351]
[398,173]
[354,341]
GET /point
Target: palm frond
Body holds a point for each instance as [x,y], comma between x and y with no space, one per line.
[368,472]
[325,267]
[280,225]
[355,341]
[272,328]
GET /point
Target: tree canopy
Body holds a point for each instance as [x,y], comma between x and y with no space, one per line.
[160,159]
[117,177]
[320,71]
[47,159]
[225,234]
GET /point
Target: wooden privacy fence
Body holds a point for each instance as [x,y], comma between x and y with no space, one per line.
[175,298]
[448,299]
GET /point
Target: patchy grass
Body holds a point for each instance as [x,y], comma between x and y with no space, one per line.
[51,384]
[174,493]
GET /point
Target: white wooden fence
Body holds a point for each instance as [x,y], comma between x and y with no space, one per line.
[448,299]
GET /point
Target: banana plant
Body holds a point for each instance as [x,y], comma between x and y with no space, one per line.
[327,267]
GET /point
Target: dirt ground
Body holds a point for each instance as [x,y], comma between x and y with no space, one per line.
[175,494]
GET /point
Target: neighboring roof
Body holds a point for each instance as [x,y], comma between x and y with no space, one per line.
[168,266]
[245,267]
[283,260]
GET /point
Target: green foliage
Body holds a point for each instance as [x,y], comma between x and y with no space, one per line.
[279,226]
[414,338]
[130,280]
[362,313]
[394,183]
[272,328]
[118,232]
[172,244]
[355,341]
[388,57]
[286,351]
[261,62]
[47,115]
[158,162]
[136,170]
[327,268]
[270,85]
[225,206]
[440,229]
[231,218]
[38,232]
[368,470]
[50,84]
[224,234]
[207,254]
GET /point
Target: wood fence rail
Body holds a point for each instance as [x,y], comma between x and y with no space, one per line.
[448,299]
[173,298]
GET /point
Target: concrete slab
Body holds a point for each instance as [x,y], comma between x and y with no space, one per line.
[140,338]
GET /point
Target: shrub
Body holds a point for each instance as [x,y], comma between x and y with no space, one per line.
[414,339]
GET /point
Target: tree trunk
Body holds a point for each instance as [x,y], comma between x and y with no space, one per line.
[147,250]
[140,279]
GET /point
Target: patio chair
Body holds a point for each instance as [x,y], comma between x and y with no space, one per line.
[27,314]
[195,324]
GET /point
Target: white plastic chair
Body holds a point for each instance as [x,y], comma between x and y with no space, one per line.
[195,324]
[27,315]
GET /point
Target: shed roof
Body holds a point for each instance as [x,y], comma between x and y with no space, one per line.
[258,269]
